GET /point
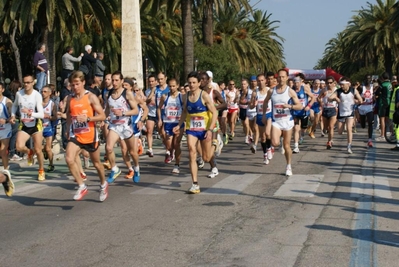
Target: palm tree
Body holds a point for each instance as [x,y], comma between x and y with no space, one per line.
[188,38]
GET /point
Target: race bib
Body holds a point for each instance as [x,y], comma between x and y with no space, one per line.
[280,111]
[117,119]
[260,106]
[46,122]
[330,105]
[25,118]
[173,113]
[80,127]
[302,101]
[197,124]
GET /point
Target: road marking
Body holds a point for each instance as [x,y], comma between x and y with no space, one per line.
[231,185]
[377,186]
[164,186]
[300,186]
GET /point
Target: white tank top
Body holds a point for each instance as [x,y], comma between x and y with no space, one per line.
[247,99]
[3,109]
[261,99]
[345,106]
[329,104]
[173,109]
[118,104]
[231,95]
[47,111]
[280,113]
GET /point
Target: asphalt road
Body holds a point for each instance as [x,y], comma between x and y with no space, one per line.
[337,210]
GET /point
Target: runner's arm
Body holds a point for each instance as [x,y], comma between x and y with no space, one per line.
[39,106]
[133,104]
[222,104]
[161,102]
[252,102]
[312,98]
[297,105]
[183,114]
[143,105]
[54,113]
[266,101]
[95,104]
[206,98]
[14,107]
[358,98]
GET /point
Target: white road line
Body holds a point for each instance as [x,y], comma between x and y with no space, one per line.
[369,186]
[231,185]
[300,186]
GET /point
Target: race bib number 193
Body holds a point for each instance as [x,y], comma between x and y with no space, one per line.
[197,124]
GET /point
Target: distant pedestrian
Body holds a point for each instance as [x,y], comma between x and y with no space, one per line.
[87,62]
[41,67]
[67,62]
[99,70]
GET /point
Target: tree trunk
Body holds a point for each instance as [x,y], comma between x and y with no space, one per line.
[49,41]
[188,38]
[207,23]
[388,61]
[16,51]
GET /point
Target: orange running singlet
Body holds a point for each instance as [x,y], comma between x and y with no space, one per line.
[83,132]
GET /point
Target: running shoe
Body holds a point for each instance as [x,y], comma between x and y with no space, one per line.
[176,169]
[194,189]
[323,133]
[247,140]
[139,146]
[295,150]
[231,137]
[86,162]
[45,156]
[265,159]
[354,130]
[288,171]
[380,139]
[41,176]
[282,149]
[200,163]
[214,173]
[168,158]
[253,149]
[226,139]
[269,153]
[312,135]
[50,168]
[129,175]
[350,150]
[8,185]
[107,165]
[16,158]
[113,174]
[218,149]
[30,157]
[329,145]
[150,153]
[301,140]
[184,137]
[103,192]
[80,193]
[370,143]
[219,138]
[136,176]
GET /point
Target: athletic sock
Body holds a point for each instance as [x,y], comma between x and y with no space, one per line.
[263,147]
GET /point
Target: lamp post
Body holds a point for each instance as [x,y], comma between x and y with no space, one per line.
[7,81]
[146,72]
[59,84]
[196,64]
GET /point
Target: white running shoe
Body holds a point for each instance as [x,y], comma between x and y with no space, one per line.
[350,150]
[288,171]
[86,162]
[176,169]
[247,141]
[214,173]
[295,150]
[194,189]
[265,159]
[269,153]
[220,140]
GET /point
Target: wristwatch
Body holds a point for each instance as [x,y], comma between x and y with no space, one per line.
[88,119]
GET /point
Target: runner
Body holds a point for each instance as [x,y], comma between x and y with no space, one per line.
[84,110]
[281,99]
[315,111]
[200,115]
[161,89]
[121,105]
[232,107]
[29,103]
[366,111]
[5,127]
[301,117]
[251,114]
[173,106]
[50,115]
[329,114]
[244,99]
[152,115]
[346,96]
[107,87]
[222,116]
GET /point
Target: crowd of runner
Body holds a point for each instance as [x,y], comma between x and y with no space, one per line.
[272,109]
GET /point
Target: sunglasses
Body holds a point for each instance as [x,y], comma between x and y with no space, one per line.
[28,82]
[330,82]
[231,84]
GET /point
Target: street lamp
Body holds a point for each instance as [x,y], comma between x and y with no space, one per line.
[196,64]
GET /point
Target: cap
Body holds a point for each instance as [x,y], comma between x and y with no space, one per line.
[253,78]
[129,81]
[297,79]
[210,74]
[322,82]
[88,47]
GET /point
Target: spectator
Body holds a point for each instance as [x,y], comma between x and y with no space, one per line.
[66,91]
[100,68]
[67,62]
[87,63]
[41,67]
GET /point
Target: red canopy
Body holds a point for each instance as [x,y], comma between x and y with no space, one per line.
[331,72]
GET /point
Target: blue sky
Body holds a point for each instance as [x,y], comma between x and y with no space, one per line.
[307,25]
